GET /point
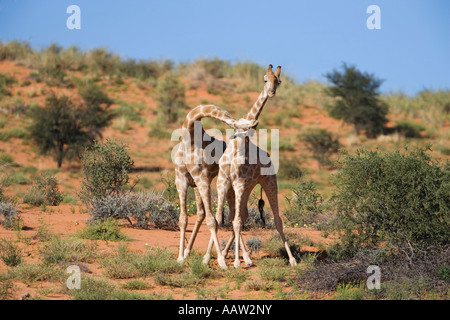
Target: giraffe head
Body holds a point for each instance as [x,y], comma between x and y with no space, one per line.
[272,80]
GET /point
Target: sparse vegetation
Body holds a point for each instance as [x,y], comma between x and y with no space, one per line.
[107,229]
[10,253]
[9,212]
[305,204]
[386,207]
[171,97]
[44,192]
[322,144]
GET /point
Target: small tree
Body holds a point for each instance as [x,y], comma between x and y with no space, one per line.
[171,96]
[63,128]
[358,102]
[106,166]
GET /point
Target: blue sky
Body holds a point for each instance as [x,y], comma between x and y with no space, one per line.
[410,52]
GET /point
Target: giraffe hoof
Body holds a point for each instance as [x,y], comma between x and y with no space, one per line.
[293,262]
[237,264]
[180,260]
[248,261]
[222,263]
[186,253]
[206,259]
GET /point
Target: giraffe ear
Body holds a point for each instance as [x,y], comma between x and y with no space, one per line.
[278,72]
[269,70]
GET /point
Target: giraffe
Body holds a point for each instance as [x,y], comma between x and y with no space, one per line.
[236,171]
[248,176]
[272,81]
[196,168]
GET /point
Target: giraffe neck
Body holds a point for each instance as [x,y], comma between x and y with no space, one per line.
[258,106]
[208,111]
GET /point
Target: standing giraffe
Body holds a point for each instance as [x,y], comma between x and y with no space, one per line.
[272,81]
[196,160]
[245,176]
[237,171]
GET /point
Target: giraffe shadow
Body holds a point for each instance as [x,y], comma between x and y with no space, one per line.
[299,254]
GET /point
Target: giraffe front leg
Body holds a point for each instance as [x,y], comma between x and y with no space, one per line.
[198,222]
[182,191]
[211,222]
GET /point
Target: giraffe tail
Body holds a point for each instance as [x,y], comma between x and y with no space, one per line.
[261,209]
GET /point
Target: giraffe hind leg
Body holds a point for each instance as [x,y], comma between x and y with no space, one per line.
[271,190]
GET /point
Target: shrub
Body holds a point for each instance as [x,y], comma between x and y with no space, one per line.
[409,129]
[6,290]
[322,144]
[6,159]
[66,250]
[136,285]
[30,273]
[253,221]
[305,204]
[107,230]
[9,211]
[106,166]
[18,133]
[396,199]
[127,265]
[289,168]
[171,96]
[273,269]
[142,208]
[253,244]
[44,192]
[10,253]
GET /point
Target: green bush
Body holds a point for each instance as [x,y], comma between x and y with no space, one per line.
[107,230]
[6,158]
[395,199]
[18,133]
[106,168]
[304,206]
[409,129]
[67,250]
[44,192]
[171,96]
[10,253]
[322,144]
